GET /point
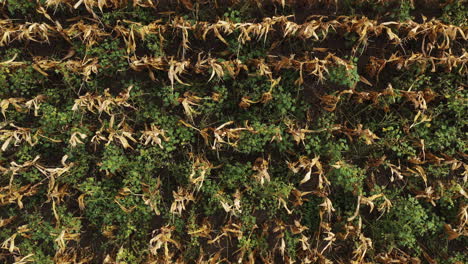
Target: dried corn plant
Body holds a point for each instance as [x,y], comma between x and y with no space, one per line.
[163,240]
[234,208]
[188,101]
[200,169]
[76,138]
[122,134]
[261,167]
[17,103]
[306,164]
[17,135]
[181,199]
[15,195]
[153,136]
[102,103]
[223,135]
[90,34]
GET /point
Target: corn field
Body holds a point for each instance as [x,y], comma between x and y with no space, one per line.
[226,131]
